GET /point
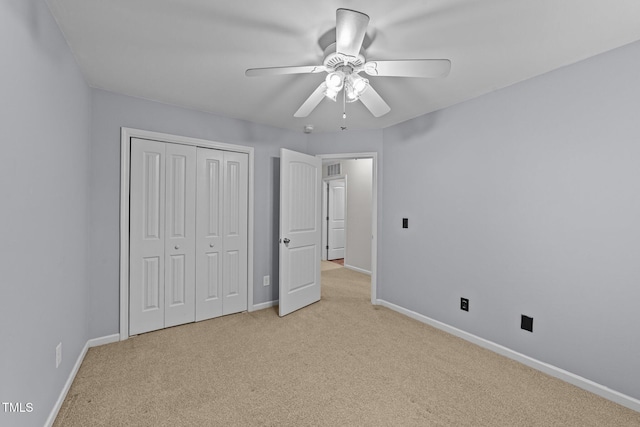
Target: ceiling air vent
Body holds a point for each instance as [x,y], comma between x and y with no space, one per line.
[334,169]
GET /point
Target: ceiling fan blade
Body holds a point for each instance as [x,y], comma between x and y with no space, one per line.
[374,102]
[351,27]
[409,68]
[312,102]
[275,71]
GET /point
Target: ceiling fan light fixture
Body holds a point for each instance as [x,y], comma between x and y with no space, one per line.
[351,95]
[355,87]
[335,80]
[331,93]
[359,84]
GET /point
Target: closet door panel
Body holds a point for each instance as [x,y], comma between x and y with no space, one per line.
[147,233]
[209,223]
[235,197]
[180,234]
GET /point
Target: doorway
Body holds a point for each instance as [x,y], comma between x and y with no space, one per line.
[361,206]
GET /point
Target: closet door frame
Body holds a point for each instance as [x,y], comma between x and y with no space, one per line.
[125,162]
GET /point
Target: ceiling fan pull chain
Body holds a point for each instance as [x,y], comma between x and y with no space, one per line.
[344,105]
[344,111]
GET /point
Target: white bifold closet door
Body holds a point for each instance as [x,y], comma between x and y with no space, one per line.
[221,258]
[188,234]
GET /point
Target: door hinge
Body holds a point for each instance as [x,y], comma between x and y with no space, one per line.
[327,247]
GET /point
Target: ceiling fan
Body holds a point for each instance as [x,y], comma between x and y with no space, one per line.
[343,63]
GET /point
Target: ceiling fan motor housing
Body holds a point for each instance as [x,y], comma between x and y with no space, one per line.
[333,59]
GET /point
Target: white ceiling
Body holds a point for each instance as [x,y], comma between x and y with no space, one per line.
[193,53]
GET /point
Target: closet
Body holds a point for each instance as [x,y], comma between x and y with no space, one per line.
[188,234]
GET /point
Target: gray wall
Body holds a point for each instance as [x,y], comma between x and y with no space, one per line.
[44,132]
[527,201]
[359,191]
[352,141]
[110,113]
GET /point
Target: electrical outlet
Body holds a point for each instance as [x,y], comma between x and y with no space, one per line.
[526,323]
[58,355]
[464,304]
[266,281]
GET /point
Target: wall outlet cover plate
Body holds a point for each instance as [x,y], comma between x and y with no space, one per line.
[526,323]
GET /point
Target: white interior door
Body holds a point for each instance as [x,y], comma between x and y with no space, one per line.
[147,229]
[337,219]
[300,230]
[209,234]
[222,210]
[180,225]
[162,227]
[234,273]
[188,234]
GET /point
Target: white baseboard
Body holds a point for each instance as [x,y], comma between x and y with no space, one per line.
[358,269]
[554,371]
[264,305]
[72,375]
[108,339]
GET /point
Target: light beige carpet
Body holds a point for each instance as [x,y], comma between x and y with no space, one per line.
[338,362]
[328,265]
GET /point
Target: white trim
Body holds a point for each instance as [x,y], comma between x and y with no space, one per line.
[108,339]
[72,375]
[554,371]
[358,269]
[125,163]
[264,305]
[125,149]
[67,385]
[325,215]
[374,213]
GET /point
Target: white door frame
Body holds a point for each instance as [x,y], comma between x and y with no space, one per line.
[374,212]
[125,165]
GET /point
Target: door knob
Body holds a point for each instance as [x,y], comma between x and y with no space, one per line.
[177,247]
[286,241]
[211,245]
